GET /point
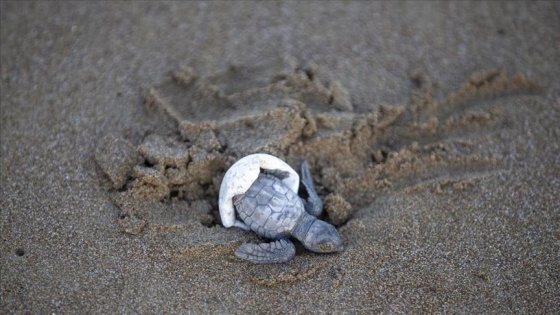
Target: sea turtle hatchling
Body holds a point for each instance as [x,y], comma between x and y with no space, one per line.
[262,190]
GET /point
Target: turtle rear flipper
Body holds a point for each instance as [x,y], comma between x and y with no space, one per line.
[275,252]
[313,205]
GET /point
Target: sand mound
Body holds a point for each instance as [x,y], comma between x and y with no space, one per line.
[301,113]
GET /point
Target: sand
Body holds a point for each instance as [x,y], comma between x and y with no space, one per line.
[431,130]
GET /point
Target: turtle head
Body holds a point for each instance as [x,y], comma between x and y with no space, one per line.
[322,238]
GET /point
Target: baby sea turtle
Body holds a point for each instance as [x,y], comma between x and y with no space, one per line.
[262,190]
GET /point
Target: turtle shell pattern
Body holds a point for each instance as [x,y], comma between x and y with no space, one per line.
[269,207]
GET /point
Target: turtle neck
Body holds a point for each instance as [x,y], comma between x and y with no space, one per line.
[302,226]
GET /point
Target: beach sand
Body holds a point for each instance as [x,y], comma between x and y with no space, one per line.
[432,131]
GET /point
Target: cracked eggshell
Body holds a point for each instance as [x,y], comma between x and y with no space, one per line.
[241,175]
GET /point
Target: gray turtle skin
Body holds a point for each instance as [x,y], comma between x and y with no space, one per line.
[274,211]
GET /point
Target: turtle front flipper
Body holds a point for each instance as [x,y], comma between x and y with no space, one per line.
[313,205]
[266,253]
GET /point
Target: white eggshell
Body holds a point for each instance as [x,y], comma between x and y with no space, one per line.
[241,175]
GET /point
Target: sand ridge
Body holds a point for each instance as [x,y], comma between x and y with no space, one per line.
[302,113]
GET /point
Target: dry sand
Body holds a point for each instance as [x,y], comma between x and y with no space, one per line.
[432,131]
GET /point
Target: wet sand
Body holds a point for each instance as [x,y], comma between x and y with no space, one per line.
[431,129]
